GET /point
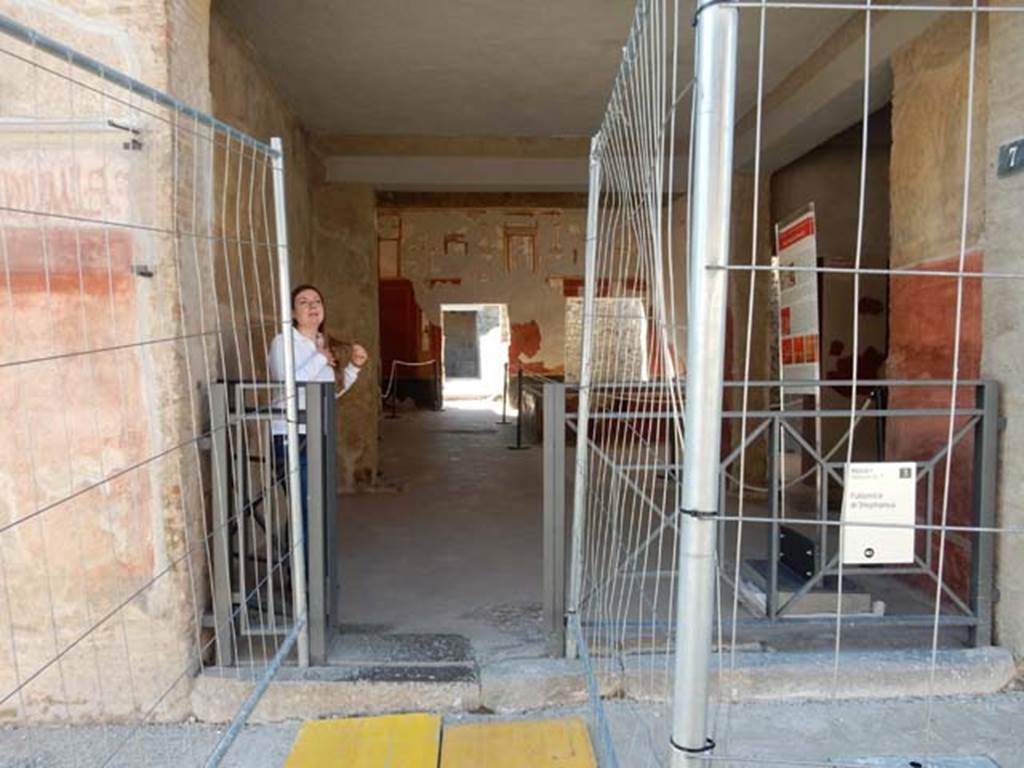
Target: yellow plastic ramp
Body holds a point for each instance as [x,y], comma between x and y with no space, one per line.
[392,741]
[562,743]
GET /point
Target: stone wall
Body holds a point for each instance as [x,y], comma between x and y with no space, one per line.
[327,250]
[79,548]
[243,95]
[527,259]
[1002,316]
[344,265]
[128,548]
[929,127]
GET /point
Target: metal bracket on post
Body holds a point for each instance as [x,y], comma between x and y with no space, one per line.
[711,195]
[554,516]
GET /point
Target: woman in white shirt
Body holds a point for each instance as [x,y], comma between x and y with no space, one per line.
[314,362]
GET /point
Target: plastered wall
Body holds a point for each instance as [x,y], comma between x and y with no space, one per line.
[1001,313]
[243,95]
[329,233]
[529,259]
[344,265]
[74,285]
[929,129]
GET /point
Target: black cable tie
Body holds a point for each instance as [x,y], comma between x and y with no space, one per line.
[703,6]
[709,745]
[701,514]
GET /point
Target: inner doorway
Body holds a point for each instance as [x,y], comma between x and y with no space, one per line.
[474,340]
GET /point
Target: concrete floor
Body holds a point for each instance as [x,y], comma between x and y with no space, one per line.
[452,546]
[765,734]
[452,543]
[838,734]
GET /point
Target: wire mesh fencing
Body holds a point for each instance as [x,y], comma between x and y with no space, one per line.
[828,507]
[143,260]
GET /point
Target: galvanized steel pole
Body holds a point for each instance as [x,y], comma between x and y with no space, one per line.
[579,499]
[710,209]
[298,556]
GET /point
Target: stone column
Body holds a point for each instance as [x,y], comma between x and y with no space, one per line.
[1003,311]
[344,267]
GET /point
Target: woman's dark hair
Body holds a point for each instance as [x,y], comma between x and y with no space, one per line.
[295,294]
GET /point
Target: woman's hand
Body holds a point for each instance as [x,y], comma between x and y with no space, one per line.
[325,349]
[359,355]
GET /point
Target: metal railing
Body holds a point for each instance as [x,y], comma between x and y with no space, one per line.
[967,605]
[977,423]
[253,537]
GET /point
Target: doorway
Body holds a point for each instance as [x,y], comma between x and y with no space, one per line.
[474,343]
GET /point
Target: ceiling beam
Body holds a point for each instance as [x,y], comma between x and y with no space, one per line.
[537,147]
[824,95]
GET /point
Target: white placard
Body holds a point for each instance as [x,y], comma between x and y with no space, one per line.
[799,329]
[879,492]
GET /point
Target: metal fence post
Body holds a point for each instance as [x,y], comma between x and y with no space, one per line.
[579,495]
[315,528]
[554,516]
[221,531]
[330,454]
[711,193]
[986,447]
[291,404]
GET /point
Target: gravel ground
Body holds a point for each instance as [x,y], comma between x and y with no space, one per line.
[160,746]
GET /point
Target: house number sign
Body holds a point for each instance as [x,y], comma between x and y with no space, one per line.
[1011,158]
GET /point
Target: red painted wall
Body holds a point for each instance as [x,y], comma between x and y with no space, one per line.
[922,312]
[399,324]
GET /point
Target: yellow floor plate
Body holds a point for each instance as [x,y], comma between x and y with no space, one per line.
[561,743]
[393,741]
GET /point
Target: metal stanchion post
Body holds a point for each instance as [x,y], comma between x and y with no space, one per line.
[438,389]
[394,391]
[504,397]
[519,413]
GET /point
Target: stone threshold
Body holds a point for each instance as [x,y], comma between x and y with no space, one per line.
[527,684]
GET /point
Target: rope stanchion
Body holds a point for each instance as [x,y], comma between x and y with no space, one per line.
[392,389]
[438,389]
[519,413]
[504,397]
